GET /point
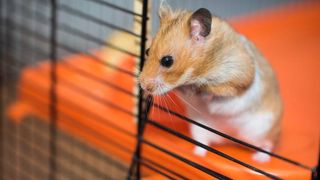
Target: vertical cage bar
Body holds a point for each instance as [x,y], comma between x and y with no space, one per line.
[53,92]
[141,115]
[142,59]
[143,33]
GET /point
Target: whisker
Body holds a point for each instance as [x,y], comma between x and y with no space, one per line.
[189,104]
[152,110]
[172,122]
[172,100]
[167,107]
[146,113]
[160,102]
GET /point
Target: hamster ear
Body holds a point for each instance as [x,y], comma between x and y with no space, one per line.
[200,24]
[164,10]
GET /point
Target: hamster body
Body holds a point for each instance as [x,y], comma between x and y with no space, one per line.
[227,83]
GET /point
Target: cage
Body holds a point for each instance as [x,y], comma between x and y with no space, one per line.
[71,106]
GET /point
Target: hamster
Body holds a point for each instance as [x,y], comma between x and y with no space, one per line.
[228,83]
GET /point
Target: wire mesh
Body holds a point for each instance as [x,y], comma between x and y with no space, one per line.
[31,33]
[35,31]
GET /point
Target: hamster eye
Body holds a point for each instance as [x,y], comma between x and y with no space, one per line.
[147,52]
[166,61]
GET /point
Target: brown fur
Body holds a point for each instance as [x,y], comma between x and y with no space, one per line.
[222,43]
[222,61]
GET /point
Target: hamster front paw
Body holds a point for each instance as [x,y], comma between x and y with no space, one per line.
[261,157]
[200,151]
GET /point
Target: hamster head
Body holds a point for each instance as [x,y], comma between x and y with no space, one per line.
[174,57]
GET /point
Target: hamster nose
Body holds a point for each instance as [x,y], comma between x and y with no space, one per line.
[149,87]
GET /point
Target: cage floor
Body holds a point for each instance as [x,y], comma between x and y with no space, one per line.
[26,155]
[289,37]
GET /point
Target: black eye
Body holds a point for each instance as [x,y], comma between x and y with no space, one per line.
[147,52]
[166,61]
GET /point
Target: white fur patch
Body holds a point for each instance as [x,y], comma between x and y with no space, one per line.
[203,136]
[162,87]
[253,126]
[261,157]
[239,104]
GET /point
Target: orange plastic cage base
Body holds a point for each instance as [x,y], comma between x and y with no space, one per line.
[289,37]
